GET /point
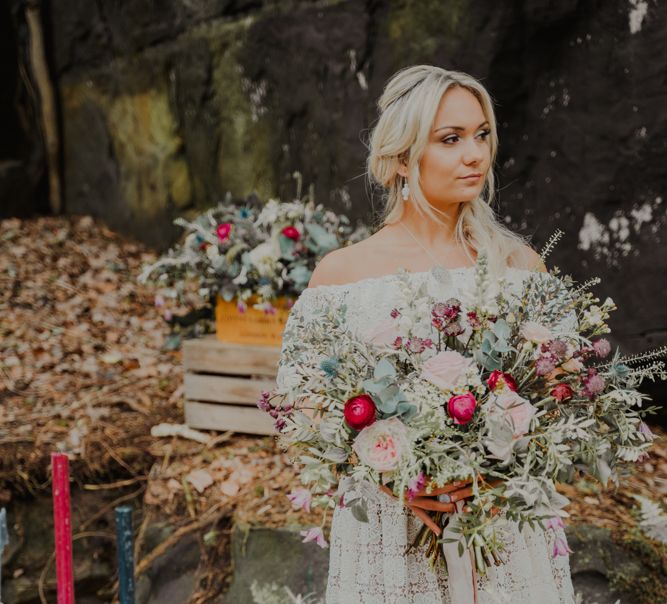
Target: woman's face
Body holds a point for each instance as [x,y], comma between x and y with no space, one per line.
[458,147]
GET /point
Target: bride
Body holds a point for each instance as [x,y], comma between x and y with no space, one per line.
[432,151]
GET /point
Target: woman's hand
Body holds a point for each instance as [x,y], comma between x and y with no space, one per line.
[454,491]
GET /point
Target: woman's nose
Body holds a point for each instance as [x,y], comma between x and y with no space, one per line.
[472,153]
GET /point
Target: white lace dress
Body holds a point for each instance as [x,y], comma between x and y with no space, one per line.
[368,563]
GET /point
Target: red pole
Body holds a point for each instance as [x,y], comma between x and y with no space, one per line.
[62,522]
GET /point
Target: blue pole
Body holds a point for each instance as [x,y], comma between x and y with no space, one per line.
[4,541]
[125,554]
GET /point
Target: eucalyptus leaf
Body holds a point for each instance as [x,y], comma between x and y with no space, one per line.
[324,240]
[301,275]
[286,247]
[384,369]
[359,510]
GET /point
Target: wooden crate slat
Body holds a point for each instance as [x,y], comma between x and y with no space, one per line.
[210,355]
[223,389]
[214,416]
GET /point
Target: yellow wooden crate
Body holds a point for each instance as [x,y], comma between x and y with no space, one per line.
[253,327]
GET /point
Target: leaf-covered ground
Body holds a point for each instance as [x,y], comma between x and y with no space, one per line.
[84,369]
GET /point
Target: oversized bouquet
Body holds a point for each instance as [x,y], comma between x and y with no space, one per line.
[511,390]
[241,251]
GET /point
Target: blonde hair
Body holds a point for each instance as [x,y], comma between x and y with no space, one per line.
[408,106]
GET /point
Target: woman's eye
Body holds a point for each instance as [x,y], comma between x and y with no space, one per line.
[450,139]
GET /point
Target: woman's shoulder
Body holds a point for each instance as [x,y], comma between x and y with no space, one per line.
[344,265]
[526,258]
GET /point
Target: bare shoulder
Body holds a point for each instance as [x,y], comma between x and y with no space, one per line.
[528,259]
[345,264]
[330,270]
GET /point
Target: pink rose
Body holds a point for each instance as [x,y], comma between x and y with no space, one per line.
[223,230]
[447,369]
[383,333]
[461,408]
[519,410]
[536,332]
[382,444]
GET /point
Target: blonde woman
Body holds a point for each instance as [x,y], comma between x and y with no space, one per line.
[432,151]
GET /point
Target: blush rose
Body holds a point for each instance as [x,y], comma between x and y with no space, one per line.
[382,444]
[447,369]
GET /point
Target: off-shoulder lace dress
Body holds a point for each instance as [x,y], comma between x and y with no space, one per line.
[368,563]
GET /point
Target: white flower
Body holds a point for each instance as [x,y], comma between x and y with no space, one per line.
[593,316]
[269,213]
[242,277]
[212,252]
[264,257]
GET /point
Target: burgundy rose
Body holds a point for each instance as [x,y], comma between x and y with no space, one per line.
[461,408]
[562,392]
[498,376]
[291,233]
[359,411]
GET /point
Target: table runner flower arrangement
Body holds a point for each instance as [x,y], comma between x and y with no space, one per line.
[252,250]
[513,390]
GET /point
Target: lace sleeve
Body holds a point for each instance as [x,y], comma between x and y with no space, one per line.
[309,306]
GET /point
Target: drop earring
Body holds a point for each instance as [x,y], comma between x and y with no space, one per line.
[405,191]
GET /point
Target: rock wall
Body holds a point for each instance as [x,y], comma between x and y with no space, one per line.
[23,189]
[166,106]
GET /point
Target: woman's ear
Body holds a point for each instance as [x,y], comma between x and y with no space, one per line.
[403,164]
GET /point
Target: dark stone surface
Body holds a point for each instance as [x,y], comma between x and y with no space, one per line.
[176,103]
[172,577]
[264,557]
[30,523]
[90,34]
[595,556]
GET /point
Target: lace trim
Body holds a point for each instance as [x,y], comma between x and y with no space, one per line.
[392,276]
